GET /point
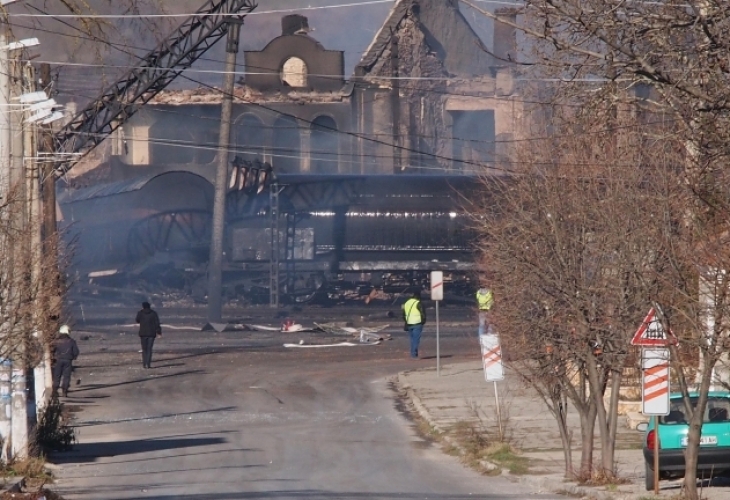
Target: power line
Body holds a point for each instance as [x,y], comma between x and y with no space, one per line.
[196,14]
[365,138]
[333,130]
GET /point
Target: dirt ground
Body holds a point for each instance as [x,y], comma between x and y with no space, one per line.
[44,494]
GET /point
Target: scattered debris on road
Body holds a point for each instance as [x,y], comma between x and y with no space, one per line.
[339,344]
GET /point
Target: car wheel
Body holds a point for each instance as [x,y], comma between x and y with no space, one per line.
[648,478]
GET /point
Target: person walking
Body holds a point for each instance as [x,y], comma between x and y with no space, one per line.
[414,317]
[485,300]
[149,329]
[65,351]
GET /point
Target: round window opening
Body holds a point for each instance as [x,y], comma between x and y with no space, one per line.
[294,73]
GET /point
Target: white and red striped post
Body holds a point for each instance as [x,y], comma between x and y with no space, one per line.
[655,381]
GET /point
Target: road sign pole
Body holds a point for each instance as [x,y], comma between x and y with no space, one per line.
[656,455]
[499,411]
[437,294]
[438,342]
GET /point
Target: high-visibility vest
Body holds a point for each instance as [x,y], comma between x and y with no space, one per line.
[412,313]
[485,300]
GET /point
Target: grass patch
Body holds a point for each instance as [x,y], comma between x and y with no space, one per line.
[572,493]
[609,479]
[34,467]
[631,446]
[53,432]
[427,430]
[479,448]
[504,455]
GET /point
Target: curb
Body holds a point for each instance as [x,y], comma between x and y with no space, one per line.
[13,485]
[540,484]
[425,415]
[416,401]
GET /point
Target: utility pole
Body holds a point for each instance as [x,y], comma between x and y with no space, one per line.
[44,381]
[215,262]
[5,142]
[19,418]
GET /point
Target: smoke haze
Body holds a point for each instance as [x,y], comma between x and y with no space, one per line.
[88,55]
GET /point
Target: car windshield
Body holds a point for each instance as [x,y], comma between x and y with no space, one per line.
[717,410]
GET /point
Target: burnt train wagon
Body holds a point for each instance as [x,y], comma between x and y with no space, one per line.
[305,235]
[374,172]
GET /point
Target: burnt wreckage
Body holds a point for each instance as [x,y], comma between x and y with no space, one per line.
[333,182]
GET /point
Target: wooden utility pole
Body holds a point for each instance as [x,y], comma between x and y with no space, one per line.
[49,253]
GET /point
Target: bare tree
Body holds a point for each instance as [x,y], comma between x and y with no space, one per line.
[27,299]
[677,50]
[570,242]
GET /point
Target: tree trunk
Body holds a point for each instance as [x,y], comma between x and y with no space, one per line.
[560,406]
[597,388]
[608,441]
[695,432]
[587,428]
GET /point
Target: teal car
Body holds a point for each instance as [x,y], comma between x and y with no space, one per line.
[714,456]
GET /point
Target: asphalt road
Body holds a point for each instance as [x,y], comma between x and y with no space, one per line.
[238,416]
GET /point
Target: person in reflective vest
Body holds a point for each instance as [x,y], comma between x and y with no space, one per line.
[414,317]
[485,300]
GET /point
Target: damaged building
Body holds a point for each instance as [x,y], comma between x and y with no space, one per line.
[368,166]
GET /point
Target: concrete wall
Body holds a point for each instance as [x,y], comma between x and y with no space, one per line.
[324,68]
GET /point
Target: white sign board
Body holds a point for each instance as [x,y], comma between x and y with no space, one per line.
[437,285]
[655,381]
[491,357]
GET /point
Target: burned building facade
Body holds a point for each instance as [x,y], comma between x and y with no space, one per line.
[427,98]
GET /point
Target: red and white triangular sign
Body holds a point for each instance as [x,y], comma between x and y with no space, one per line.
[651,332]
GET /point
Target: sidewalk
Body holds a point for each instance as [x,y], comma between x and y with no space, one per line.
[461,394]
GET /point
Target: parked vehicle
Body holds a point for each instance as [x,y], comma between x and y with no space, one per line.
[714,456]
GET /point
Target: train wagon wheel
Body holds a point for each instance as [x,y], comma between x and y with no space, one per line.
[172,232]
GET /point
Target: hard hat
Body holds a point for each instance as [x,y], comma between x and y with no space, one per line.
[64,330]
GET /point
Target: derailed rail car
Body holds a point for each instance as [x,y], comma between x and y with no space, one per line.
[335,233]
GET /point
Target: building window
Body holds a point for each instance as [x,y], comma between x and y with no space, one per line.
[324,146]
[171,144]
[286,153]
[250,138]
[294,73]
[473,139]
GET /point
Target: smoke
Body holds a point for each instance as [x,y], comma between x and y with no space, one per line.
[90,54]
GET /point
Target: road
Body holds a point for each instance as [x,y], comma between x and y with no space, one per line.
[235,415]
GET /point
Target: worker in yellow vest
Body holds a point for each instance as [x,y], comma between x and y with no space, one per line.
[414,317]
[485,300]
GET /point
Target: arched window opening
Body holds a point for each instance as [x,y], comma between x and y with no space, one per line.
[250,138]
[324,146]
[286,152]
[294,73]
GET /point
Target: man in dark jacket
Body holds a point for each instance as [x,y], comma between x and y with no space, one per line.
[149,328]
[65,351]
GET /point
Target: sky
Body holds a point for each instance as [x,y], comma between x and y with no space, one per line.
[85,66]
